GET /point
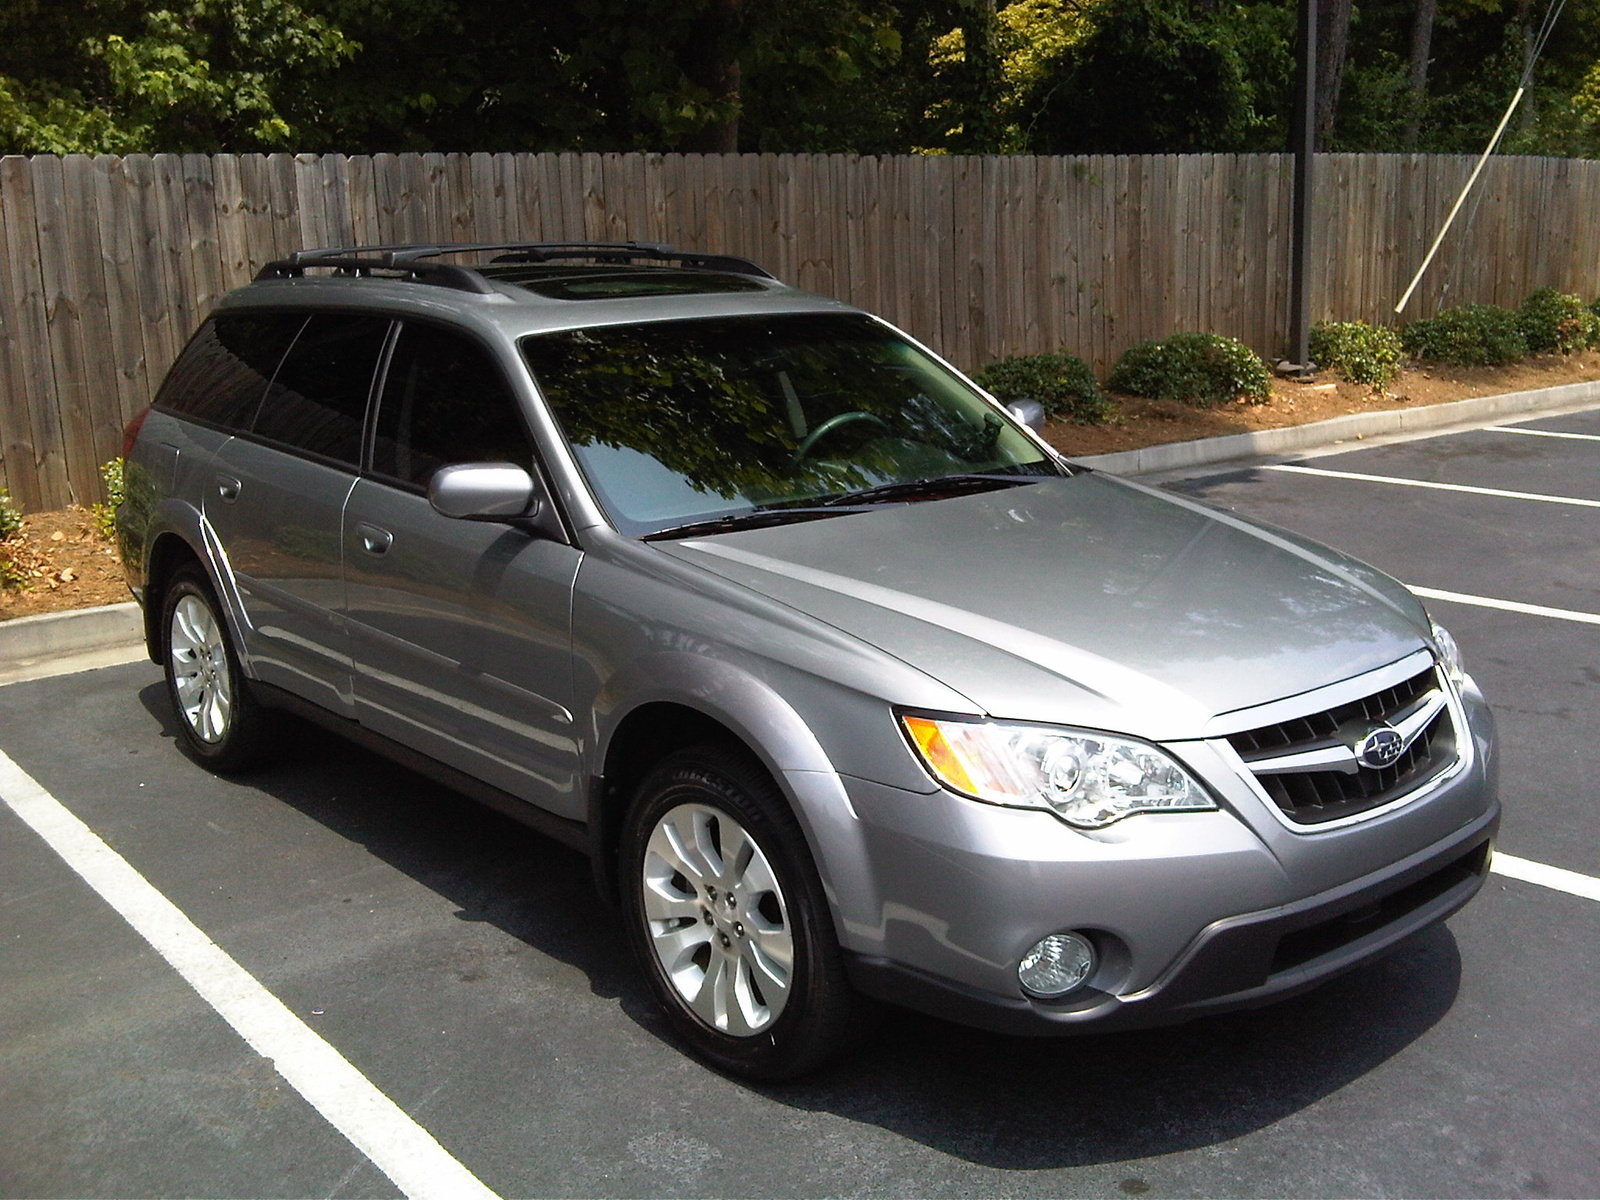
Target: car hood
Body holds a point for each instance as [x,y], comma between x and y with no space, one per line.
[1086,600]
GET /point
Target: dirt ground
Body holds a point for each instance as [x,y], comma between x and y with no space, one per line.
[68,564]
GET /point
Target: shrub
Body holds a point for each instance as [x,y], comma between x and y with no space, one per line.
[1474,335]
[10,518]
[1062,382]
[11,575]
[1555,322]
[105,515]
[1197,368]
[1362,353]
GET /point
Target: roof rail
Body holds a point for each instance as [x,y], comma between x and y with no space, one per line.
[410,261]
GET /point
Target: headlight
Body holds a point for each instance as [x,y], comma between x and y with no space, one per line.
[1449,653]
[1087,779]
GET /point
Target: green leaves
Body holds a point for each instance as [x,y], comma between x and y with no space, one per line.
[1362,353]
[1196,368]
[1062,382]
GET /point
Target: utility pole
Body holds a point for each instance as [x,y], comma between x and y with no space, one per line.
[1302,133]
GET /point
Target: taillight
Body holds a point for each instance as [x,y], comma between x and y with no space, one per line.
[130,432]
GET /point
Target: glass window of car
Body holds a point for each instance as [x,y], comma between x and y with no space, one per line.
[221,375]
[445,400]
[318,400]
[679,421]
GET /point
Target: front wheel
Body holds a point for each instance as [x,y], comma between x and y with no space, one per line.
[219,721]
[726,916]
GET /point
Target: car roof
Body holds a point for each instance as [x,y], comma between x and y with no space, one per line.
[527,288]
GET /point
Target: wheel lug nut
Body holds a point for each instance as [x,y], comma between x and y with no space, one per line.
[705,915]
[738,929]
[723,938]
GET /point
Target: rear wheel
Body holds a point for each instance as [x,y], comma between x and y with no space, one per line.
[219,721]
[727,917]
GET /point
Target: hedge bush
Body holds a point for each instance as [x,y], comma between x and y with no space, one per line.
[1196,368]
[1362,353]
[105,515]
[1474,335]
[10,518]
[1062,382]
[1555,322]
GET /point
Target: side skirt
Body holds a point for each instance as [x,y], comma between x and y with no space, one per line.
[568,832]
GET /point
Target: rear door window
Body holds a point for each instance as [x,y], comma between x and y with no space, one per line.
[222,374]
[445,400]
[318,400]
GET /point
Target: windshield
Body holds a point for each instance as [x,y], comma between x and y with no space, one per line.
[676,422]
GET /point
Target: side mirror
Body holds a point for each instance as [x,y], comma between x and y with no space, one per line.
[1029,412]
[482,491]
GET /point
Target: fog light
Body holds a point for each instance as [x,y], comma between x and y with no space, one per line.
[1056,965]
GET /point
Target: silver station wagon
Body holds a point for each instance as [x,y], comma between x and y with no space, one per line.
[852,688]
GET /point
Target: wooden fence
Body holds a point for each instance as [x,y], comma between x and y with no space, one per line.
[107,264]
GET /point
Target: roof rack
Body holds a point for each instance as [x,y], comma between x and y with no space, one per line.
[410,262]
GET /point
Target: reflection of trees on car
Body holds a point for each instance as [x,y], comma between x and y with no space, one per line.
[764,408]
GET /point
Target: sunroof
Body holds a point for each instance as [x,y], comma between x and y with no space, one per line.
[617,283]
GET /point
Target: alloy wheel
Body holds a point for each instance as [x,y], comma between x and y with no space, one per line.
[717,920]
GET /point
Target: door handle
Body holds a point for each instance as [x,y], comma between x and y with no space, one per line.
[228,488]
[373,539]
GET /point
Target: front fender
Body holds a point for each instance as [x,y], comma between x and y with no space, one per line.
[772,729]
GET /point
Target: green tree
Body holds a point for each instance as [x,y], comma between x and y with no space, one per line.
[1150,77]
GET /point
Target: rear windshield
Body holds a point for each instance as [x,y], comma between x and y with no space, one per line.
[678,421]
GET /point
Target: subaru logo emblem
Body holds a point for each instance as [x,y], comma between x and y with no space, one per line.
[1380,748]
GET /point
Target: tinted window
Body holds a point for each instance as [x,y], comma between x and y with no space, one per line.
[319,398]
[444,401]
[222,374]
[677,421]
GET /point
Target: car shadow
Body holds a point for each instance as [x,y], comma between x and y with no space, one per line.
[992,1100]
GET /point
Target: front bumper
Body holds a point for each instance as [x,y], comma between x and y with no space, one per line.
[1237,962]
[1191,913]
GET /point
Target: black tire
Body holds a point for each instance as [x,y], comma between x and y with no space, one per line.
[821,1015]
[228,731]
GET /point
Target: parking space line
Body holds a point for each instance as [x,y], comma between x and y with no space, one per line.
[1516,606]
[399,1147]
[1558,878]
[1576,437]
[1428,483]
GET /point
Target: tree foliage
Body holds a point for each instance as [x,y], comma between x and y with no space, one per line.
[868,76]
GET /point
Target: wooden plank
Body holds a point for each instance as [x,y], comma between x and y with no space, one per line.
[305,184]
[158,324]
[333,181]
[28,373]
[104,383]
[64,291]
[284,206]
[459,200]
[134,386]
[200,212]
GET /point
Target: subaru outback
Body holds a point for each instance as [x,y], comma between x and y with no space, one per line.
[852,689]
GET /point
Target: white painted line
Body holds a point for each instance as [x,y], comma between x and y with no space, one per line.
[1558,878]
[1428,483]
[1576,437]
[1516,606]
[403,1150]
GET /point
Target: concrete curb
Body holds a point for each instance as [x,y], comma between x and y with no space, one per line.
[24,639]
[1478,410]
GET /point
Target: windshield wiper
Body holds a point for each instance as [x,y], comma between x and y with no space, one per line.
[756,518]
[943,485]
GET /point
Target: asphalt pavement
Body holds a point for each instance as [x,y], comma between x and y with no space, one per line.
[466,969]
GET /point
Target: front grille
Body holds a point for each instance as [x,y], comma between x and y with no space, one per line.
[1312,797]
